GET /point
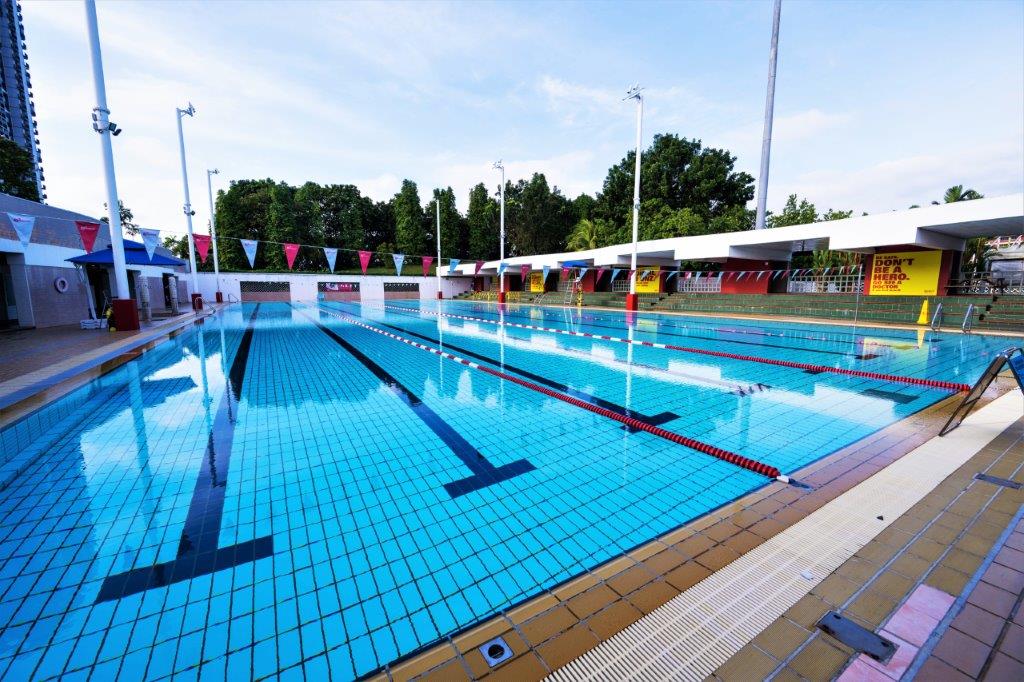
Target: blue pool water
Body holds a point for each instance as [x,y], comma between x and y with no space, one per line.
[281,491]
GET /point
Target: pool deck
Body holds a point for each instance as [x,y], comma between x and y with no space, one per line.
[940,542]
[962,546]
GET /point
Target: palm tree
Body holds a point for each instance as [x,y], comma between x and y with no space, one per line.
[588,234]
[958,193]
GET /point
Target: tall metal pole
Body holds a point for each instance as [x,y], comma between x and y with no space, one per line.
[188,204]
[213,231]
[769,110]
[501,239]
[437,268]
[103,126]
[634,93]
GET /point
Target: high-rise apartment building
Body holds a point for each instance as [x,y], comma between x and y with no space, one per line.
[17,113]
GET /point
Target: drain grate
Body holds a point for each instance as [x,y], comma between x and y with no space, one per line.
[496,651]
[1005,482]
[857,637]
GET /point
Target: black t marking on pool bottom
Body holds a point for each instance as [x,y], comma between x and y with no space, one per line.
[198,553]
[484,473]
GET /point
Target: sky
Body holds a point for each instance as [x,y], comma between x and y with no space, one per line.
[878,105]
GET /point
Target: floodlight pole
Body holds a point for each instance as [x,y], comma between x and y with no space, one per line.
[103,126]
[769,110]
[437,268]
[634,93]
[501,239]
[213,233]
[197,301]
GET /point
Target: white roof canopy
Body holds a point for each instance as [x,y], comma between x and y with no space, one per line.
[945,226]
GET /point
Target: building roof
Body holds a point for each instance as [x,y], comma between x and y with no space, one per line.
[134,254]
[946,226]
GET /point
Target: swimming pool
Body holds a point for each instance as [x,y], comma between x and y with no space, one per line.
[288,488]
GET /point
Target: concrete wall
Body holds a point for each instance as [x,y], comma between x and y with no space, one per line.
[304,286]
[51,307]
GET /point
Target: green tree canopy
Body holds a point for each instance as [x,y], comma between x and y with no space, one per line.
[17,171]
[482,218]
[412,236]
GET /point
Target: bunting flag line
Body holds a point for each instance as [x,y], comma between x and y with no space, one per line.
[150,239]
[332,257]
[399,259]
[546,270]
[670,275]
[479,264]
[202,242]
[290,251]
[615,273]
[501,268]
[565,273]
[23,225]
[643,275]
[697,275]
[364,259]
[249,246]
[600,274]
[452,264]
[427,262]
[760,275]
[88,231]
[741,275]
[524,271]
[776,275]
[583,271]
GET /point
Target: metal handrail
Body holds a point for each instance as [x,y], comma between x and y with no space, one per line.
[978,390]
[968,319]
[937,317]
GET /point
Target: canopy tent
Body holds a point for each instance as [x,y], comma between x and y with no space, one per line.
[134,254]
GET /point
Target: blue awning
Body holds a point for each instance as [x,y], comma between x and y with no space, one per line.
[134,254]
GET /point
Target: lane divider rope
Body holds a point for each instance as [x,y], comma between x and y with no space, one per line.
[699,446]
[895,378]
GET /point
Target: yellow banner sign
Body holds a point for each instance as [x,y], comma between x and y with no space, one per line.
[536,282]
[907,273]
[649,283]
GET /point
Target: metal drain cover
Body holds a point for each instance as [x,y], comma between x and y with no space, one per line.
[496,651]
[857,637]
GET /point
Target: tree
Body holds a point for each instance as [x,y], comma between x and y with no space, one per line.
[803,212]
[411,237]
[482,219]
[17,171]
[454,229]
[681,173]
[538,218]
[128,223]
[794,213]
[588,234]
[958,193]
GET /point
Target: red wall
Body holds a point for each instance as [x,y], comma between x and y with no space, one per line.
[750,284]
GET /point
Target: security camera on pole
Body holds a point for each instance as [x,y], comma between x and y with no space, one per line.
[197,298]
[634,93]
[213,233]
[125,313]
[498,165]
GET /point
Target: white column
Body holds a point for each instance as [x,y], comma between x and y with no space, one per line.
[102,125]
[636,185]
[188,204]
[501,248]
[437,268]
[769,110]
[213,228]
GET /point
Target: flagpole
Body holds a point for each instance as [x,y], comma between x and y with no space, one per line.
[103,126]
[634,93]
[197,301]
[213,233]
[437,269]
[769,109]
[501,242]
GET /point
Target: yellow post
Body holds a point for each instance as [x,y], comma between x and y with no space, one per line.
[923,317]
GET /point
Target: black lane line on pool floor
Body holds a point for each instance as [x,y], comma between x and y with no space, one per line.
[484,473]
[655,420]
[198,553]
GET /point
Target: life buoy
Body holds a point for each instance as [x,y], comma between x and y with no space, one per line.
[60,284]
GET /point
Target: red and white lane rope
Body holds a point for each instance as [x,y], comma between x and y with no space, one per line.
[895,378]
[699,446]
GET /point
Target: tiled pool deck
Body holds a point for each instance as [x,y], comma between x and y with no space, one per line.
[955,542]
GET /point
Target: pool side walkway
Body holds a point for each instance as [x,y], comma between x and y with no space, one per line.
[40,365]
[568,621]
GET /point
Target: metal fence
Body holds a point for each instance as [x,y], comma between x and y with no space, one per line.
[826,284]
[983,283]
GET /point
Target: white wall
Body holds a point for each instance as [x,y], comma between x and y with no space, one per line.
[303,286]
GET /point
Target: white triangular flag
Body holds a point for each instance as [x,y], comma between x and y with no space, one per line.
[150,239]
[332,257]
[23,225]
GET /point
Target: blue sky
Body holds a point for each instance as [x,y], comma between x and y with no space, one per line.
[878,104]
